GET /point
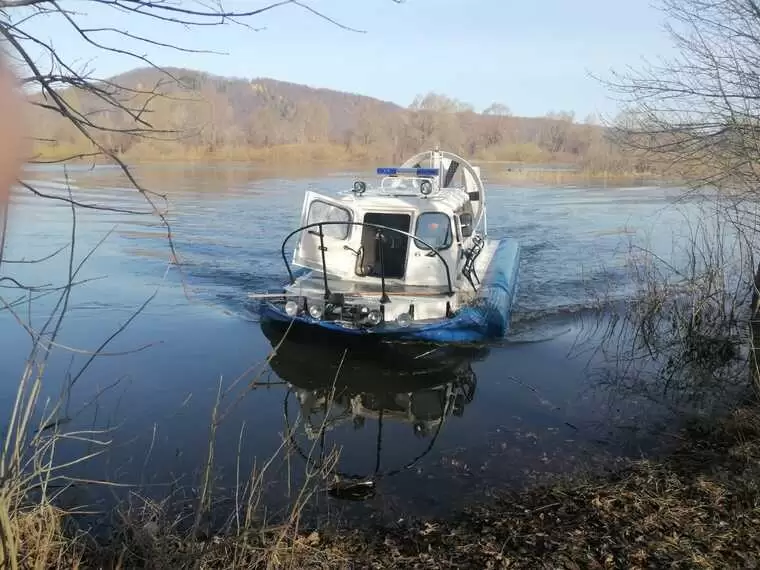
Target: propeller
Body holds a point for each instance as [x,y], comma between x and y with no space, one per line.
[452,170]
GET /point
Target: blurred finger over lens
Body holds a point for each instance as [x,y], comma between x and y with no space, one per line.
[11,147]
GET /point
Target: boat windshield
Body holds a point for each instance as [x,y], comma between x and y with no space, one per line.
[401,183]
[435,229]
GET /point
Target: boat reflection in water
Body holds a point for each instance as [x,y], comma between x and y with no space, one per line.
[370,388]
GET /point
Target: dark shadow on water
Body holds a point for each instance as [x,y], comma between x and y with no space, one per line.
[337,385]
[304,357]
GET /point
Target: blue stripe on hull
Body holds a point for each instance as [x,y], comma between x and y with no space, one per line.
[486,318]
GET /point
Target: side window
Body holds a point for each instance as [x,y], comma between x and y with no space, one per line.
[435,229]
[465,220]
[320,211]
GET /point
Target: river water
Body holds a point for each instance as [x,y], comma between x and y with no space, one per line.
[433,432]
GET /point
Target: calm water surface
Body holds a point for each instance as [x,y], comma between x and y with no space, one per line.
[434,430]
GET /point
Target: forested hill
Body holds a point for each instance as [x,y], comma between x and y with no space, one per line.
[205,114]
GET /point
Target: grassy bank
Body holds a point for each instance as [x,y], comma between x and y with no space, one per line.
[518,176]
[321,155]
[697,508]
[165,151]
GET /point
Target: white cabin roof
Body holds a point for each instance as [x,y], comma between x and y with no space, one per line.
[432,181]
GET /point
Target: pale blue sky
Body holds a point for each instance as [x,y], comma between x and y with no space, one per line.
[534,56]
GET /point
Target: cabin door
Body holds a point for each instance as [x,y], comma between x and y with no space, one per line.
[384,254]
[339,256]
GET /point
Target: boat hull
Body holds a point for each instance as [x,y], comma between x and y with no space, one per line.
[486,318]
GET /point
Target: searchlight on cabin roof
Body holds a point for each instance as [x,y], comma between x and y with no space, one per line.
[421,172]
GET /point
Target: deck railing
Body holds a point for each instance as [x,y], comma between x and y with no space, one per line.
[380,236]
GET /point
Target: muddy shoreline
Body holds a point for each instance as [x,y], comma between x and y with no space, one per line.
[698,507]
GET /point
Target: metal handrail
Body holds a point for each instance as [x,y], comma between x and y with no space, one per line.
[362,224]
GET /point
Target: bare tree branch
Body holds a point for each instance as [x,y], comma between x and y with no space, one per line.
[109,100]
[699,111]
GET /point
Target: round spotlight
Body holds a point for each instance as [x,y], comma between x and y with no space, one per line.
[374,318]
[315,311]
[404,320]
[291,308]
[364,310]
[360,187]
[426,187]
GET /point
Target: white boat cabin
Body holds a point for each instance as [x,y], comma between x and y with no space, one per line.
[418,237]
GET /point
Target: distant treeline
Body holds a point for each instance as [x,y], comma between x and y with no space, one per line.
[194,115]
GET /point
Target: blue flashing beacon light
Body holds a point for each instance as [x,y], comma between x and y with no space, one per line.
[421,172]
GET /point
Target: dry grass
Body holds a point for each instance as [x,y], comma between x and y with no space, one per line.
[150,546]
[35,538]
